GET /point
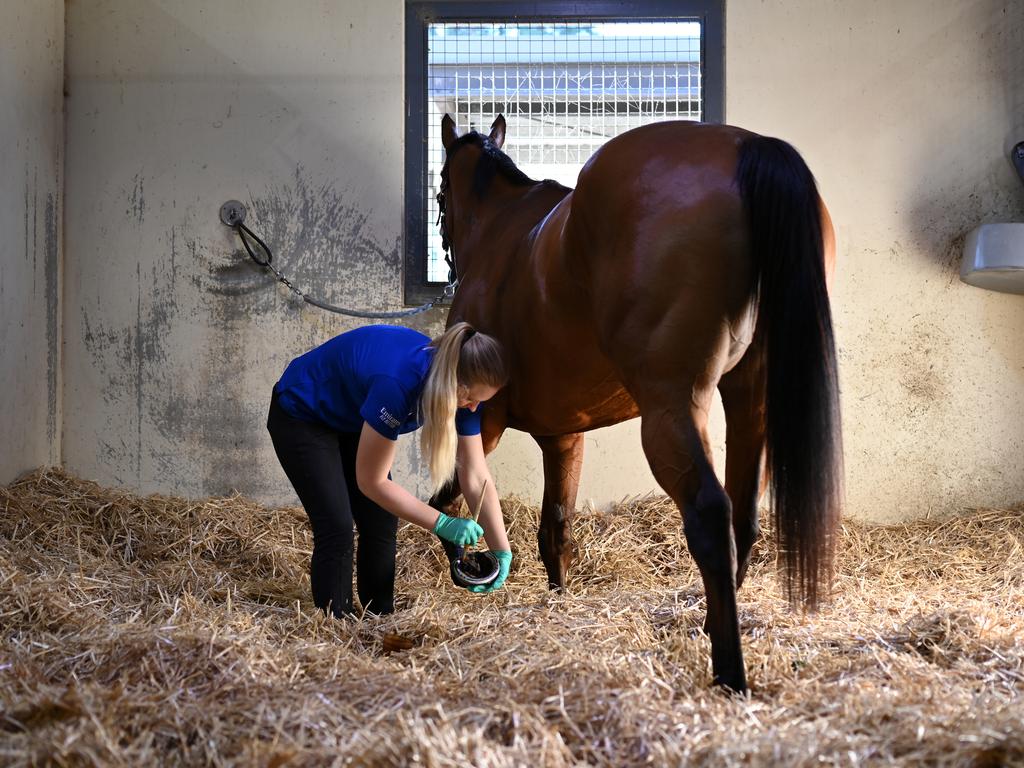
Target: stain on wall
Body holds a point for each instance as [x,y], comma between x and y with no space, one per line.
[51,290]
[31,154]
[320,241]
[137,199]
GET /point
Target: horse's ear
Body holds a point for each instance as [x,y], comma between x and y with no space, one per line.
[449,133]
[497,134]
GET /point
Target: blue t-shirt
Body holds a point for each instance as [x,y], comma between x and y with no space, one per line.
[374,374]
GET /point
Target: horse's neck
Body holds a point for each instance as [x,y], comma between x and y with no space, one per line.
[516,210]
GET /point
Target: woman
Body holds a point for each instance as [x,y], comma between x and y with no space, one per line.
[334,418]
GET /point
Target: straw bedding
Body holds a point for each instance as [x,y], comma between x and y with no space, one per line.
[160,631]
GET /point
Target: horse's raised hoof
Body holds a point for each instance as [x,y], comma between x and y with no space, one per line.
[476,569]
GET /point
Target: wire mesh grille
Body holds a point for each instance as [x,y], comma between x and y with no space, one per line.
[564,88]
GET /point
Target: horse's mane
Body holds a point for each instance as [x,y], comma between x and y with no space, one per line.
[492,162]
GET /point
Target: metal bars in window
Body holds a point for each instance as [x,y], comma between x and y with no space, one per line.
[566,84]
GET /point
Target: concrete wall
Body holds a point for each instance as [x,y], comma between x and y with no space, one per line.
[904,111]
[31,156]
[174,339]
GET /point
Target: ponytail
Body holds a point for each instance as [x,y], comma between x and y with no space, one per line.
[461,356]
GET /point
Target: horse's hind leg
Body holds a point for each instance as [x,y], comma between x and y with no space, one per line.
[675,441]
[563,459]
[742,391]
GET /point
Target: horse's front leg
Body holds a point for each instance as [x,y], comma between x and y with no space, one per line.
[563,460]
[449,501]
[449,498]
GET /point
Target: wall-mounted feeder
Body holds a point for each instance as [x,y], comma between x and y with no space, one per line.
[994,253]
[994,258]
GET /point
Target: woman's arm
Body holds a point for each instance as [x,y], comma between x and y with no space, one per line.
[473,472]
[374,458]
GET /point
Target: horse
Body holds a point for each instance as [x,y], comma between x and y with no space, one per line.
[689,257]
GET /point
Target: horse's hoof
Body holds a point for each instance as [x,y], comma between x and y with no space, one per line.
[732,684]
[477,569]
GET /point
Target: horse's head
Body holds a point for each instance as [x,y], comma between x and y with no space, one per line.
[472,161]
[467,166]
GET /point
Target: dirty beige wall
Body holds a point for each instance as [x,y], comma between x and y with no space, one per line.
[174,338]
[173,341]
[31,152]
[906,112]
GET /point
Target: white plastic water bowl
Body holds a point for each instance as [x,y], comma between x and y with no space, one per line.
[994,258]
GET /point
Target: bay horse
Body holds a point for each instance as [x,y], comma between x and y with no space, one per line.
[689,256]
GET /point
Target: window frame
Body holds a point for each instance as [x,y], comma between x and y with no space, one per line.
[421,13]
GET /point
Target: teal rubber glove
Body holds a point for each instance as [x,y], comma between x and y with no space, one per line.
[460,531]
[504,562]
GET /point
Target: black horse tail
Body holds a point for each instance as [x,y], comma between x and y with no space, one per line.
[802,422]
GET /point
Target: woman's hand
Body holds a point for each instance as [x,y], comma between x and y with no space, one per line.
[504,562]
[460,531]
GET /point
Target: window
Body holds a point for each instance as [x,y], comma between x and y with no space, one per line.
[567,77]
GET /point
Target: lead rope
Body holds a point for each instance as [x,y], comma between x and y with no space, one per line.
[232,214]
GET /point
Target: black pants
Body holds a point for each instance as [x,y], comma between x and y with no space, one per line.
[321,465]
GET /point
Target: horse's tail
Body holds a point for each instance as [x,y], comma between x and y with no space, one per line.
[803,434]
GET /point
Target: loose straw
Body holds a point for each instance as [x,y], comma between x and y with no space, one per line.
[164,631]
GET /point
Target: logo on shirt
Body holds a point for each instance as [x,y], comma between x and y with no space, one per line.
[388,419]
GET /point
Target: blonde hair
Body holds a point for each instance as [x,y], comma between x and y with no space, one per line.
[462,356]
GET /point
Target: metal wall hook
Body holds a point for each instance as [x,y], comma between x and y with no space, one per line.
[232,213]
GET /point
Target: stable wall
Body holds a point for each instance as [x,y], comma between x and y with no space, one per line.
[31,156]
[173,108]
[173,340]
[906,112]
